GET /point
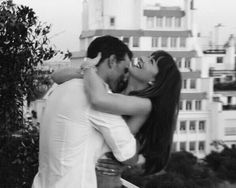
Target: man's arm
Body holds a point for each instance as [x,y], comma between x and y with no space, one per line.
[117,136]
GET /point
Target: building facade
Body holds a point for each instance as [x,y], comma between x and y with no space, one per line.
[147,28]
[220,62]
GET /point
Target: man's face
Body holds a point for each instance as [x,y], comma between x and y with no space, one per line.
[118,72]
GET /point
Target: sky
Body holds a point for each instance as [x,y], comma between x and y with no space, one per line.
[65,18]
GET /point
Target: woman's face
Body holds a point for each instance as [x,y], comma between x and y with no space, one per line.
[143,69]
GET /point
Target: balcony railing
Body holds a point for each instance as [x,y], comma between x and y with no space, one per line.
[213,72]
[227,86]
[229,107]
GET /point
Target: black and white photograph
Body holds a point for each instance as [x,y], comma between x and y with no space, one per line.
[117,94]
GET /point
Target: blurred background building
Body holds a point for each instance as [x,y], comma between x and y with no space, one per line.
[208,98]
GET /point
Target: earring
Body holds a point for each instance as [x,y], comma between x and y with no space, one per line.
[151,83]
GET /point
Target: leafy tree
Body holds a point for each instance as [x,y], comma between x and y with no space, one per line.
[42,84]
[183,171]
[182,163]
[223,163]
[168,180]
[24,44]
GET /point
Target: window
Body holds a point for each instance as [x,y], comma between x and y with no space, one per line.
[126,40]
[201,146]
[173,42]
[177,22]
[135,41]
[202,126]
[192,84]
[150,22]
[192,146]
[168,21]
[112,21]
[216,99]
[155,41]
[182,146]
[229,78]
[187,63]
[184,84]
[179,62]
[164,42]
[219,60]
[182,42]
[182,126]
[198,105]
[188,105]
[180,105]
[159,22]
[192,126]
[230,131]
[229,99]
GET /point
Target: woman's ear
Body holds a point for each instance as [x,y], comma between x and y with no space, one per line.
[112,61]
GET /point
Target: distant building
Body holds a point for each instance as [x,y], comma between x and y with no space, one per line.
[147,28]
[220,61]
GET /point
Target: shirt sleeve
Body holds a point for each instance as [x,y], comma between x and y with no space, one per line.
[116,134]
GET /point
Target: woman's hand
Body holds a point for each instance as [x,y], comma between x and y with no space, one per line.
[90,63]
[63,75]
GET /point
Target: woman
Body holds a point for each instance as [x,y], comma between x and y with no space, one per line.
[155,83]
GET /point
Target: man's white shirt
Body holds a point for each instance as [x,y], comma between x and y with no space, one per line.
[73,136]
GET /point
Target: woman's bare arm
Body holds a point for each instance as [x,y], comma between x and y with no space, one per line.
[113,103]
[66,74]
[135,123]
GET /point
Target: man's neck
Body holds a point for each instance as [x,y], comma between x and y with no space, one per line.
[102,73]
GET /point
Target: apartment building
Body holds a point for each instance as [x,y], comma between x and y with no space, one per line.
[146,28]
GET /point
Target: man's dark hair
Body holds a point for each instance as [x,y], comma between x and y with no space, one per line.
[108,45]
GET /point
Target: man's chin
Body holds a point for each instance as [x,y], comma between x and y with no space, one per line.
[121,86]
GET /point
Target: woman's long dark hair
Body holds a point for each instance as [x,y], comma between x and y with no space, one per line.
[156,135]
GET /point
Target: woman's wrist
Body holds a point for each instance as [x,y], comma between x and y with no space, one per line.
[87,69]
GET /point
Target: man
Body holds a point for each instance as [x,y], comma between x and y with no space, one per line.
[73,135]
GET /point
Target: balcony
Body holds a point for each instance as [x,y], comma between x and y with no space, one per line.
[226,86]
[216,73]
[229,107]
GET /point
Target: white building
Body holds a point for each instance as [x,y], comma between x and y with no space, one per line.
[146,28]
[221,64]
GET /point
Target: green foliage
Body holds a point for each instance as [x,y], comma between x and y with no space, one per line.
[183,171]
[223,163]
[19,158]
[182,163]
[24,45]
[42,84]
[170,180]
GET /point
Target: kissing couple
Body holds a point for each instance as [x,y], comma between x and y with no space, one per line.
[113,112]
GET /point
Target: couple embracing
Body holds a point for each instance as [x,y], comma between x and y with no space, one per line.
[112,104]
